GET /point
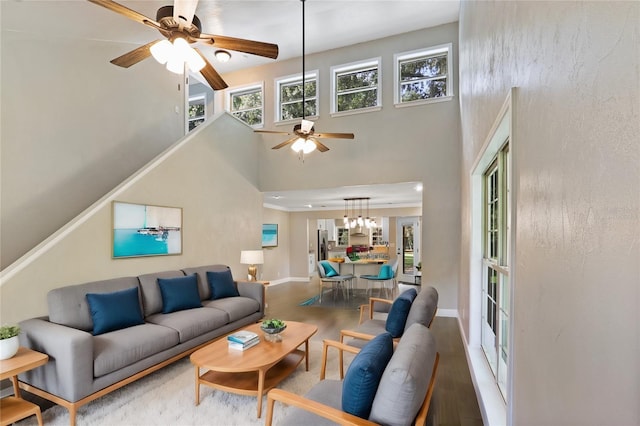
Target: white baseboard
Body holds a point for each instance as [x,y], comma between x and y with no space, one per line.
[289,279]
[492,405]
[451,313]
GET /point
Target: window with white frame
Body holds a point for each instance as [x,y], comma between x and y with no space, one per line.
[197,112]
[246,103]
[495,269]
[423,75]
[356,87]
[289,96]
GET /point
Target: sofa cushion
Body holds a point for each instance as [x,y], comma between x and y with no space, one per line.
[203,283]
[150,291]
[329,271]
[221,284]
[118,349]
[191,323]
[363,376]
[68,305]
[397,317]
[179,293]
[235,307]
[406,379]
[116,310]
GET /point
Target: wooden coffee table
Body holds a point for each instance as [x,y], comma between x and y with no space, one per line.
[256,370]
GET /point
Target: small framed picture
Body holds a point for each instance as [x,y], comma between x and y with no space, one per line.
[270,235]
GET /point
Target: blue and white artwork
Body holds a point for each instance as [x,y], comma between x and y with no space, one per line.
[269,235]
[143,230]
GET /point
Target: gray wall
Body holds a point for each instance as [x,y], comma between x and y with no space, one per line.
[576,178]
[211,175]
[73,125]
[420,143]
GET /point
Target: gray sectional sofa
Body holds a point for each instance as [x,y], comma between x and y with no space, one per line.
[86,363]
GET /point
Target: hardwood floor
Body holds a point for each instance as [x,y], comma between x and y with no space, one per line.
[454,401]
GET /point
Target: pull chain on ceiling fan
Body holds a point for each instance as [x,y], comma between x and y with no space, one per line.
[304,140]
[181,27]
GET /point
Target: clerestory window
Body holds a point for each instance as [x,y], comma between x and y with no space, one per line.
[289,96]
[356,87]
[246,103]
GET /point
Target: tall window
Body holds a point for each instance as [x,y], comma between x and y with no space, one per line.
[289,96]
[247,104]
[356,87]
[423,75]
[495,260]
[197,110]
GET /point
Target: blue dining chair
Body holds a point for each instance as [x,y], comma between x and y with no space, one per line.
[385,274]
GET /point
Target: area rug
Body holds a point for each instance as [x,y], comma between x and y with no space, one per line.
[167,397]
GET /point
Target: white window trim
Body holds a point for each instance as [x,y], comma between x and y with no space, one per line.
[352,66]
[492,405]
[277,82]
[244,88]
[434,50]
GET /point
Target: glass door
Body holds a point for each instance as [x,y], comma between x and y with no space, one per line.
[408,248]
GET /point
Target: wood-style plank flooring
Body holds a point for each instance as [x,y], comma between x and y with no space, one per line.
[454,401]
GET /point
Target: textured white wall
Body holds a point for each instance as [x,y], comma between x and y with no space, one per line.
[577,178]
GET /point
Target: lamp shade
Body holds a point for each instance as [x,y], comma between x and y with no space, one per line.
[251,257]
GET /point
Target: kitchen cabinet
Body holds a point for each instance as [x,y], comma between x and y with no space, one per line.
[328,225]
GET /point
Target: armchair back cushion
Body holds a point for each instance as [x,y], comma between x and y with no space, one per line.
[116,310]
[397,317]
[363,376]
[423,307]
[405,381]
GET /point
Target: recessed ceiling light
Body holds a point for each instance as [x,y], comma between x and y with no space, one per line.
[276,197]
[309,205]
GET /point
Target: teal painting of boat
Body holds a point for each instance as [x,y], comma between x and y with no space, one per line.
[146,230]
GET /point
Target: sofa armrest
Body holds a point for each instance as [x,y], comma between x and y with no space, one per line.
[253,290]
[69,372]
[314,407]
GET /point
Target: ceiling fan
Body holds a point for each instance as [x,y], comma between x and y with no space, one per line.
[179,22]
[304,138]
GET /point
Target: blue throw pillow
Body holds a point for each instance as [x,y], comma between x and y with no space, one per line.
[221,284]
[179,293]
[328,269]
[113,311]
[397,317]
[386,272]
[363,376]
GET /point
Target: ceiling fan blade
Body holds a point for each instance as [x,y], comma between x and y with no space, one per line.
[285,143]
[183,10]
[210,74]
[268,50]
[272,131]
[123,10]
[334,135]
[135,56]
[321,147]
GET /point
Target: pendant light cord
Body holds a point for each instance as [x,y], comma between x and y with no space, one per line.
[303,82]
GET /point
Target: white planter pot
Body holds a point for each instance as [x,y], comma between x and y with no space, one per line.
[9,347]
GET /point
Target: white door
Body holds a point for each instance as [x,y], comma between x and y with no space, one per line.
[408,247]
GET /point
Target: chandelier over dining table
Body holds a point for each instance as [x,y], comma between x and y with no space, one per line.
[353,209]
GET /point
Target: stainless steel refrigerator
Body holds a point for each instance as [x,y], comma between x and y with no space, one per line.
[323,244]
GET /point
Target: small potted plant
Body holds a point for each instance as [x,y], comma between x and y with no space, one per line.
[272,329]
[9,343]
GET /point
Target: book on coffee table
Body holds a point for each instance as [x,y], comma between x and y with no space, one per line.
[242,347]
[243,337]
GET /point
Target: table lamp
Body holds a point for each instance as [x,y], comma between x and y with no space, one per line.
[252,258]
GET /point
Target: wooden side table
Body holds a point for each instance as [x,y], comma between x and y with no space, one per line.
[14,408]
[265,284]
